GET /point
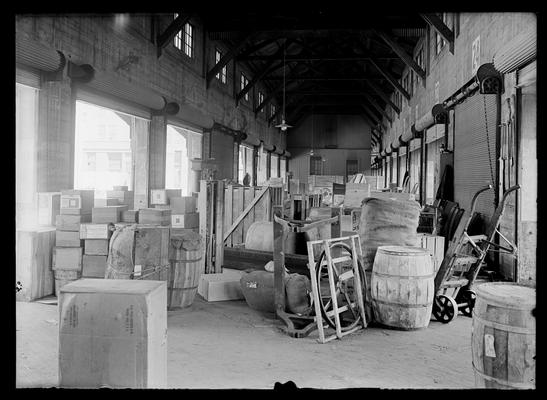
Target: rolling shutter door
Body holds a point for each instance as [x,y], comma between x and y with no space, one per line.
[475,152]
[222,146]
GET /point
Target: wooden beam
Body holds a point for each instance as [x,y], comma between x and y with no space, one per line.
[377,107]
[226,58]
[436,23]
[171,31]
[369,112]
[268,67]
[397,49]
[369,120]
[384,96]
[250,50]
[245,212]
[316,57]
[391,80]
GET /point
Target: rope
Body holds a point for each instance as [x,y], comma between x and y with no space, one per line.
[488,145]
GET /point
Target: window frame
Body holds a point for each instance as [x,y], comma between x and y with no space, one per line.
[243,82]
[221,75]
[260,100]
[188,46]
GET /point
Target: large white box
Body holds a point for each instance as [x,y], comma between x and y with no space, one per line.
[49,206]
[113,333]
[220,287]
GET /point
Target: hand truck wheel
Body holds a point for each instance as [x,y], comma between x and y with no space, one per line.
[445,308]
[466,302]
[344,292]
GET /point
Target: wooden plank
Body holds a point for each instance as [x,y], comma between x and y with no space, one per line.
[248,196]
[241,259]
[246,210]
[436,23]
[219,227]
[237,208]
[259,209]
[279,261]
[228,216]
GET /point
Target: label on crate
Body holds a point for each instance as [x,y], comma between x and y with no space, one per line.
[71,201]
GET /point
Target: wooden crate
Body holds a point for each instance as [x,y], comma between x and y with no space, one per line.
[154,216]
[65,222]
[67,258]
[77,202]
[93,266]
[96,247]
[68,239]
[95,231]
[189,220]
[33,263]
[124,196]
[435,245]
[101,215]
[183,204]
[49,206]
[162,196]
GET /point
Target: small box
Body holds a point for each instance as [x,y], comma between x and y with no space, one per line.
[49,206]
[96,247]
[68,239]
[130,216]
[95,231]
[162,196]
[220,287]
[76,202]
[190,220]
[183,205]
[121,188]
[124,196]
[93,266]
[65,222]
[100,215]
[105,202]
[67,258]
[154,216]
[113,333]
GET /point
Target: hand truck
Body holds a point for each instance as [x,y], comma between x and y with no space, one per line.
[462,263]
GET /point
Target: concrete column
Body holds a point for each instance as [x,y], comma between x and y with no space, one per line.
[56,130]
[141,147]
[158,139]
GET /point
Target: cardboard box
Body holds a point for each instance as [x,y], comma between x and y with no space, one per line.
[121,188]
[33,262]
[95,231]
[113,333]
[105,202]
[130,216]
[220,287]
[393,196]
[162,196]
[68,239]
[71,222]
[67,258]
[190,220]
[96,247]
[101,215]
[126,197]
[93,266]
[49,206]
[154,216]
[183,205]
[435,245]
[76,202]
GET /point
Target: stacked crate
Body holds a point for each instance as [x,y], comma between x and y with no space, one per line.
[75,209]
[184,215]
[96,236]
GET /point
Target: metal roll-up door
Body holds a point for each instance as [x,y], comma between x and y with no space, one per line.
[222,146]
[475,152]
[27,76]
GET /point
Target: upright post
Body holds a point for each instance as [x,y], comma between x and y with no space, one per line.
[279,260]
[219,226]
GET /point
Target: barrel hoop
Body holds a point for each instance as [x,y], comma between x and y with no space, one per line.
[185,261]
[492,302]
[422,277]
[518,385]
[389,303]
[185,288]
[503,327]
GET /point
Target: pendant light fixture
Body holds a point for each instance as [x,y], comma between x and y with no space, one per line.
[283,125]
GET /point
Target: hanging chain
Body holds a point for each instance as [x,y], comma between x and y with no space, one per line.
[488,145]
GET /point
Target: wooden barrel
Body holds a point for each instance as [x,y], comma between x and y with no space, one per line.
[260,237]
[63,276]
[503,338]
[402,287]
[186,266]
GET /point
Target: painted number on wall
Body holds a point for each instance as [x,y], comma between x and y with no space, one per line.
[475,54]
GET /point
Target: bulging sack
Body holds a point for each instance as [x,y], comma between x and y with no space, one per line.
[387,222]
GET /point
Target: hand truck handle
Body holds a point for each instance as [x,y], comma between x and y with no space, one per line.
[511,189]
[473,203]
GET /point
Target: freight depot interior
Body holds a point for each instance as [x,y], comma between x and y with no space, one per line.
[232,199]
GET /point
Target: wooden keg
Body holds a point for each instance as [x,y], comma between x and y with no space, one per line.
[63,276]
[402,287]
[186,266]
[503,338]
[260,237]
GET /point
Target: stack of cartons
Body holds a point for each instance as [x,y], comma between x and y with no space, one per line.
[154,216]
[49,206]
[75,209]
[96,237]
[163,196]
[124,197]
[184,213]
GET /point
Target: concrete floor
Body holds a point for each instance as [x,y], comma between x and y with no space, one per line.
[226,344]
